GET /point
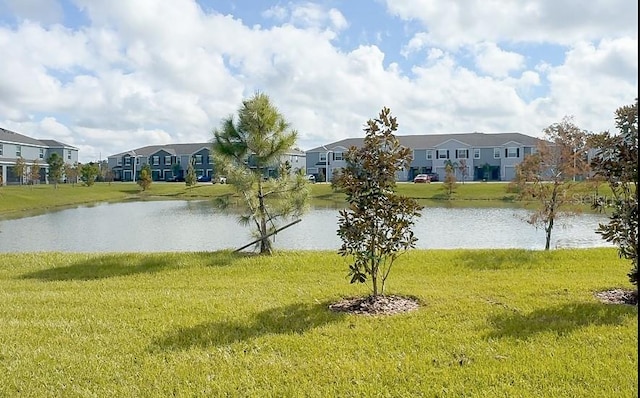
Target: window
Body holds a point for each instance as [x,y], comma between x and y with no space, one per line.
[198,159]
[512,152]
[429,155]
[442,154]
[156,160]
[462,153]
[476,153]
[0,149]
[337,156]
[496,153]
[137,160]
[41,153]
[127,161]
[323,157]
[69,154]
[119,162]
[167,160]
[18,150]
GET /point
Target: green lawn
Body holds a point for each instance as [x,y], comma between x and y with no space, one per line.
[15,201]
[493,323]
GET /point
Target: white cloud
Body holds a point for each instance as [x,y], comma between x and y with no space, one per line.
[496,62]
[145,72]
[460,23]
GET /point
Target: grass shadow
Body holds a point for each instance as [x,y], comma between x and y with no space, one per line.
[290,319]
[561,320]
[498,259]
[125,264]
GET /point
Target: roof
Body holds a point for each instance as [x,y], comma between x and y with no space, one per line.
[180,149]
[12,136]
[17,138]
[433,140]
[56,144]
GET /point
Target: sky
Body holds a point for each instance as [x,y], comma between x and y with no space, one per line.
[107,76]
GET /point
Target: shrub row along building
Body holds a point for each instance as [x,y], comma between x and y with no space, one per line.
[476,156]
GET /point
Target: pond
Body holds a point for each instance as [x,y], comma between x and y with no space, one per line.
[153,226]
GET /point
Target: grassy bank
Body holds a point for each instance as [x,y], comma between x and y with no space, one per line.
[492,323]
[16,200]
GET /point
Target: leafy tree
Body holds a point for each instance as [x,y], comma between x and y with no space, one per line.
[71,172]
[244,150]
[175,169]
[89,172]
[547,176]
[56,168]
[463,169]
[108,175]
[617,164]
[191,179]
[20,169]
[34,172]
[376,228]
[449,183]
[145,179]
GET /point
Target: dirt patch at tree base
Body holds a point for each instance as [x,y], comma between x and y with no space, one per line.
[376,305]
[618,296]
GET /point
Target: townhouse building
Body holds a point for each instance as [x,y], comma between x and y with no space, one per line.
[14,146]
[483,156]
[170,162]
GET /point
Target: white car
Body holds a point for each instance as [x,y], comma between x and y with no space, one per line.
[311,178]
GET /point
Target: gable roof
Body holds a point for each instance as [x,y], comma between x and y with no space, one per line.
[427,141]
[56,144]
[13,137]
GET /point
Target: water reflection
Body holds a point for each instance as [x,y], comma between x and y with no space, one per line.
[198,226]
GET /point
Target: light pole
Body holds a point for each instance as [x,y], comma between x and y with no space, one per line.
[328,165]
[135,167]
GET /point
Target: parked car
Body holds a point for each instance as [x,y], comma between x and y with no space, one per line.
[221,180]
[204,179]
[176,179]
[311,178]
[433,177]
[422,179]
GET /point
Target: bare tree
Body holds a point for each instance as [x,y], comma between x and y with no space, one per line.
[547,176]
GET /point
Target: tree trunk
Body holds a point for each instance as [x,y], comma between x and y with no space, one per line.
[265,243]
[548,231]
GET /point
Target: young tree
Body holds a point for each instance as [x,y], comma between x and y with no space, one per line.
[34,172]
[449,183]
[20,169]
[56,168]
[71,173]
[547,176]
[376,228]
[88,173]
[617,163]
[175,170]
[108,175]
[145,178]
[244,150]
[463,169]
[191,179]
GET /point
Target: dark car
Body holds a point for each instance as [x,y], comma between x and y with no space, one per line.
[433,177]
[204,179]
[176,179]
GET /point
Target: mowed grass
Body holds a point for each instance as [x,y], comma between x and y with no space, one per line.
[493,323]
[17,201]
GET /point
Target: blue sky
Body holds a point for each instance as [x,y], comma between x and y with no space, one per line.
[109,76]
